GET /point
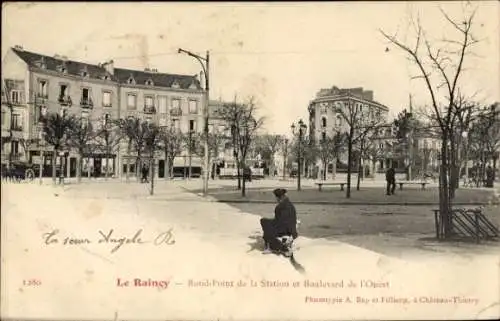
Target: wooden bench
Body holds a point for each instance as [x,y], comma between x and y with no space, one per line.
[331,184]
[412,183]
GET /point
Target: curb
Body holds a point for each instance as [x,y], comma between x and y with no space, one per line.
[355,203]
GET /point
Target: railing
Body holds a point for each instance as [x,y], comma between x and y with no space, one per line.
[149,109]
[467,223]
[86,103]
[65,100]
[16,128]
[44,96]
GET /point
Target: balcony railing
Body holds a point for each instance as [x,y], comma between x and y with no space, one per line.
[42,95]
[16,128]
[86,103]
[176,112]
[65,100]
[149,109]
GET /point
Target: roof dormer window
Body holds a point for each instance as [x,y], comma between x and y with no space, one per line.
[175,84]
[149,82]
[131,80]
[84,72]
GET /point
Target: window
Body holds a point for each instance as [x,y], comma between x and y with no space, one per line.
[193,106]
[42,88]
[323,122]
[148,101]
[192,125]
[162,104]
[16,121]
[15,97]
[176,124]
[62,91]
[131,101]
[14,147]
[106,98]
[3,118]
[85,95]
[176,103]
[323,136]
[339,121]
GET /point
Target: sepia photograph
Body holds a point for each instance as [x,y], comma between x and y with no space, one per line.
[250,160]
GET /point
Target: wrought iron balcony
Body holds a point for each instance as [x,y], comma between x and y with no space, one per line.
[176,112]
[65,101]
[42,95]
[86,103]
[149,109]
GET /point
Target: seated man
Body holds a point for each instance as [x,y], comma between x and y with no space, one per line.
[284,222]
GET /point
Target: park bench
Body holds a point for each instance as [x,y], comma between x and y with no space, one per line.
[467,223]
[320,184]
[411,183]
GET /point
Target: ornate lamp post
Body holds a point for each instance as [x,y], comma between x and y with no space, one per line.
[285,154]
[466,151]
[204,61]
[299,130]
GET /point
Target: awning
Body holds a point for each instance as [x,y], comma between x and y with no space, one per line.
[181,161]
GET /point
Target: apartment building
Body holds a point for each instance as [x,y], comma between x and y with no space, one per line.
[36,84]
[326,115]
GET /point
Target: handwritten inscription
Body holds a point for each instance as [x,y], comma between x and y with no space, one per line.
[109,237]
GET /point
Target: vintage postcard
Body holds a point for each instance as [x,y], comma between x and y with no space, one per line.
[250,161]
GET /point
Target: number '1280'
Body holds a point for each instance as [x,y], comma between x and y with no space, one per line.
[32,282]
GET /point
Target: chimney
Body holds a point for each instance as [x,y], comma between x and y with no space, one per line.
[147,69]
[18,47]
[108,65]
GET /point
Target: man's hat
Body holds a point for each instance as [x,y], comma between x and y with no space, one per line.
[279,192]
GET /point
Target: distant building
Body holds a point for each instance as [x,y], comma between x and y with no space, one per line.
[35,84]
[325,118]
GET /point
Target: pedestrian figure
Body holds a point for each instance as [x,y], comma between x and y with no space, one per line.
[490,176]
[283,223]
[144,178]
[390,177]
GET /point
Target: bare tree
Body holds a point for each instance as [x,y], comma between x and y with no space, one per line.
[57,128]
[108,137]
[360,123]
[440,66]
[81,136]
[267,146]
[172,142]
[152,143]
[330,148]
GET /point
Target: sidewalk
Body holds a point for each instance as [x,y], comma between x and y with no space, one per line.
[214,244]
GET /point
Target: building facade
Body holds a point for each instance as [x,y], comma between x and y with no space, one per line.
[329,112]
[35,84]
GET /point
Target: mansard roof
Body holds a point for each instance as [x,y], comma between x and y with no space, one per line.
[120,75]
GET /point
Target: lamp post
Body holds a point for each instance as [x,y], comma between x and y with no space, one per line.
[204,61]
[41,145]
[285,154]
[466,151]
[299,130]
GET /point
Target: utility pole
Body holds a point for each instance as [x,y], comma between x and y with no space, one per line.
[205,64]
[11,112]
[410,141]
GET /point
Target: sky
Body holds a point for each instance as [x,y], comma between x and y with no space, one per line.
[280,53]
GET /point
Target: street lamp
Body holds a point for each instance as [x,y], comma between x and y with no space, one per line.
[464,135]
[41,145]
[285,154]
[204,61]
[299,130]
